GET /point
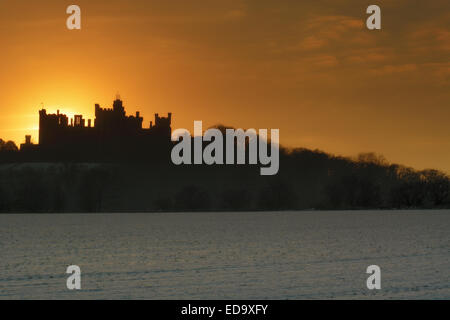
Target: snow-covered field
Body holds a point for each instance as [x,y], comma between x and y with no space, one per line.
[286,255]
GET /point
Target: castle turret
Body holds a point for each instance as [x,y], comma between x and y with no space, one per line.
[118,107]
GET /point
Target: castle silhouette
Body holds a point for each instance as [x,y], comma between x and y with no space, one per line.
[113,136]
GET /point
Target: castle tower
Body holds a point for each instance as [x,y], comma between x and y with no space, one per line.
[118,107]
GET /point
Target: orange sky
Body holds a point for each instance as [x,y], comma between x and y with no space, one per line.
[309,68]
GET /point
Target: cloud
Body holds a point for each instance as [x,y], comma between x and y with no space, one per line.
[439,72]
[333,27]
[235,14]
[312,43]
[336,21]
[430,35]
[370,55]
[390,69]
[434,38]
[323,61]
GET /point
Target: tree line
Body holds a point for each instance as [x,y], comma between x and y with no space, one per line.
[307,179]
